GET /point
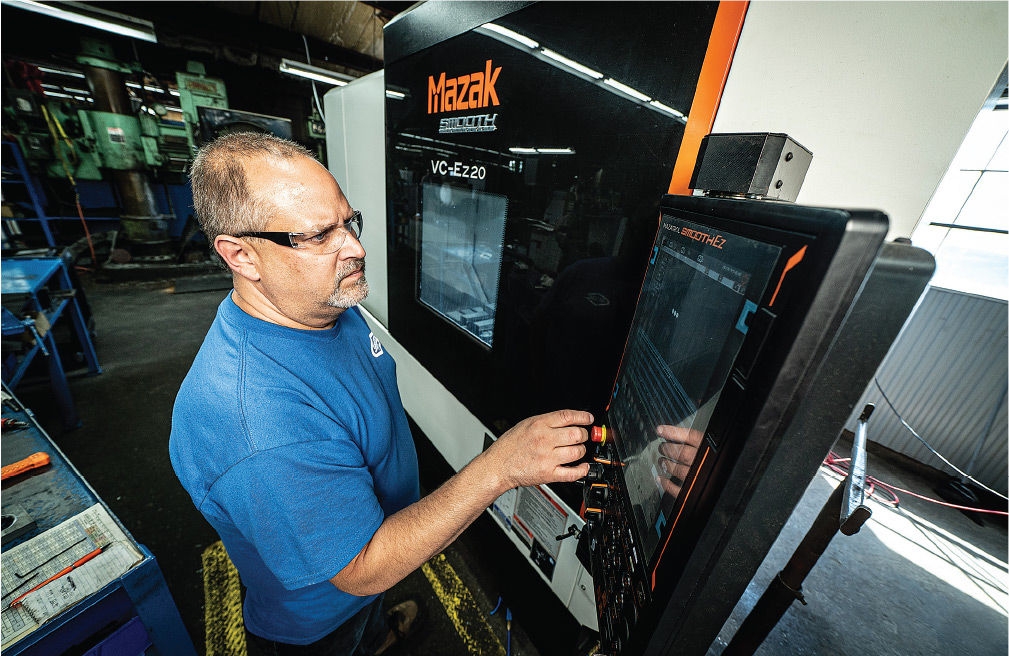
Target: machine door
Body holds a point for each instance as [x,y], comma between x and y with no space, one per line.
[526,156]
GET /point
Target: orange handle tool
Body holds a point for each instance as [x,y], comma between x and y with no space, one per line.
[66,570]
[34,461]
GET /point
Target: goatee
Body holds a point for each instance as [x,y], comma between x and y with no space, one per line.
[348,298]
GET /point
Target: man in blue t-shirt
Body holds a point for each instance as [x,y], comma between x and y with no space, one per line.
[289,432]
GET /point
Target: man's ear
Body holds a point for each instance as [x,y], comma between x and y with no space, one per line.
[238,255]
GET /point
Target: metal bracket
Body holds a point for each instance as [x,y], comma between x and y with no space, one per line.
[795,591]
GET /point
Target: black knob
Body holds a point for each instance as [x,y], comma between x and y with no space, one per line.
[599,493]
[595,472]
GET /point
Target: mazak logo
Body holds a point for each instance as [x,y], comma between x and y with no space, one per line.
[473,91]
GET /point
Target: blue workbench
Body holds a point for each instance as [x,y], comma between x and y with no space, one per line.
[130,616]
[40,289]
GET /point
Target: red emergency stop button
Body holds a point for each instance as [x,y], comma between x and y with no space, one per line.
[599,434]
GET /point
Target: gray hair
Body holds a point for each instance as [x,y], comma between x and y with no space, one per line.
[223,202]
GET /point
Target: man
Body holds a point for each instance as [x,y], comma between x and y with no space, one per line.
[288,431]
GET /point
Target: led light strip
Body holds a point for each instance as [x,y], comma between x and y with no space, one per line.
[557,60]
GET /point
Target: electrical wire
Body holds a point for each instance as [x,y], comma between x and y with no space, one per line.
[840,466]
[943,503]
[508,629]
[315,92]
[50,120]
[508,623]
[929,446]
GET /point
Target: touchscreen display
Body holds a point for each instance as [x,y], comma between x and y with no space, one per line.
[701,287]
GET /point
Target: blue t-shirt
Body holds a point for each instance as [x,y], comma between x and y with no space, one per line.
[295,446]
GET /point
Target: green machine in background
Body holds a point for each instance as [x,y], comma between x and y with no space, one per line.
[111,132]
[197,90]
[105,133]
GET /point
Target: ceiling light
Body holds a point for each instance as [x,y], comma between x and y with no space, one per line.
[136,85]
[667,110]
[623,88]
[542,151]
[572,64]
[327,76]
[61,71]
[508,34]
[85,14]
[395,95]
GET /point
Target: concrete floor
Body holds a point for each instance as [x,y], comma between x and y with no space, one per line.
[917,580]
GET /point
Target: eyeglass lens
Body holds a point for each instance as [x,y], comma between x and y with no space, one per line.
[331,239]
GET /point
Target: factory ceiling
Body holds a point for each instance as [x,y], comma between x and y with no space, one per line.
[346,37]
[356,26]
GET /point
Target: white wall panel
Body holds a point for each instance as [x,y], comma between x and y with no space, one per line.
[355,142]
[883,93]
[946,374]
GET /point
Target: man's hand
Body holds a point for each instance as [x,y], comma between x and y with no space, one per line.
[677,452]
[537,450]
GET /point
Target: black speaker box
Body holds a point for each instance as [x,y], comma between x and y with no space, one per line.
[751,165]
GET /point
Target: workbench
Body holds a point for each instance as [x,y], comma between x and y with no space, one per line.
[37,293]
[130,615]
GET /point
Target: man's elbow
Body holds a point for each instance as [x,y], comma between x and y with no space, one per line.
[358,588]
[352,580]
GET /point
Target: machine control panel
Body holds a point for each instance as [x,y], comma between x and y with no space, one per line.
[708,297]
[756,324]
[619,571]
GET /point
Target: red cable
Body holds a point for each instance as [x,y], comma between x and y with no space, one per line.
[832,462]
[87,233]
[943,503]
[840,469]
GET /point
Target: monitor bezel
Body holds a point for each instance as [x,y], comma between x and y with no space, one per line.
[826,234]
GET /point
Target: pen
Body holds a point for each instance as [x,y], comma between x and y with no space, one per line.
[66,570]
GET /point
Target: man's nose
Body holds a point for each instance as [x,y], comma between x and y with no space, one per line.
[352,248]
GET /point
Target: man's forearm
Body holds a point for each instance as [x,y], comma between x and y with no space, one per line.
[535,451]
[409,538]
